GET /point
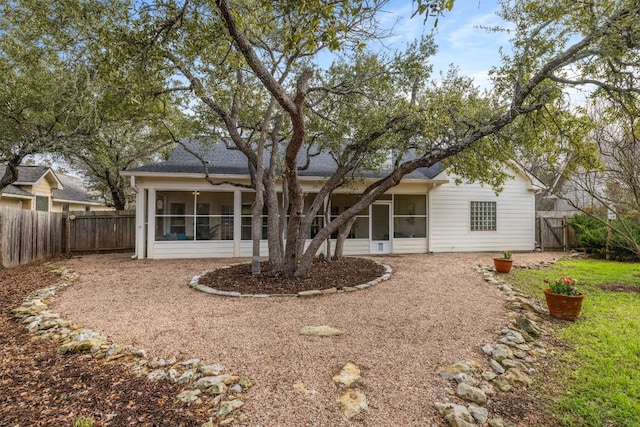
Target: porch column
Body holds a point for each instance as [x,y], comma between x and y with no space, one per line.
[141,203]
[237,221]
[151,222]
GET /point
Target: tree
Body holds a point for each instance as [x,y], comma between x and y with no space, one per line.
[37,92]
[71,91]
[258,88]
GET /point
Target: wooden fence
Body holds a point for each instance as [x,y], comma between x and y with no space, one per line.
[26,236]
[555,233]
[99,231]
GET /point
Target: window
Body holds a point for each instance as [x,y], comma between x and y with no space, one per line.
[483,216]
[65,207]
[194,215]
[247,202]
[342,202]
[42,203]
[409,216]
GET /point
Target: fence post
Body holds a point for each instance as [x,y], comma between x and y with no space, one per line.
[540,224]
[565,234]
[67,234]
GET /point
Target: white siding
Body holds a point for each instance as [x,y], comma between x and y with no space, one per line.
[410,246]
[450,229]
[201,249]
[246,248]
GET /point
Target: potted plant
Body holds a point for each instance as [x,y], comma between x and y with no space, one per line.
[563,298]
[503,265]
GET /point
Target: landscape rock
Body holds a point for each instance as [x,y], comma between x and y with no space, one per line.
[528,325]
[479,414]
[207,382]
[501,352]
[456,415]
[211,370]
[449,372]
[471,394]
[228,406]
[516,376]
[190,396]
[352,403]
[496,367]
[348,375]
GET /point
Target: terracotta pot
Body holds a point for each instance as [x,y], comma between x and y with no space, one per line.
[502,265]
[563,307]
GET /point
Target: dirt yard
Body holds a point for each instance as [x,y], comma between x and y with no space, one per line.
[434,311]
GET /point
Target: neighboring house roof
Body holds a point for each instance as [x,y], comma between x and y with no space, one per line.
[29,175]
[223,160]
[65,188]
[17,192]
[73,190]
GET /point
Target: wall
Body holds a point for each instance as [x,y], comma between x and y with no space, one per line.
[449,224]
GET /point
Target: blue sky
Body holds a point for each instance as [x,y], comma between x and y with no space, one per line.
[473,50]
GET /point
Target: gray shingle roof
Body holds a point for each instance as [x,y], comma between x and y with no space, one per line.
[73,189]
[222,160]
[16,191]
[27,174]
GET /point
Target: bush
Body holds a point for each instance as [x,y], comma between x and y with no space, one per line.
[592,236]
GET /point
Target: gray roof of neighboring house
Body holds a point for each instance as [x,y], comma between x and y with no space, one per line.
[222,160]
[27,174]
[16,191]
[73,190]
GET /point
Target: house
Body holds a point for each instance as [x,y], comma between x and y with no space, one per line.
[179,214]
[39,188]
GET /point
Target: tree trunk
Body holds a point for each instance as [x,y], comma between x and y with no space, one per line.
[343,232]
[10,173]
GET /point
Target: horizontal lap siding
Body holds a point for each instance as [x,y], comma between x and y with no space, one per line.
[410,246]
[184,249]
[450,218]
[246,248]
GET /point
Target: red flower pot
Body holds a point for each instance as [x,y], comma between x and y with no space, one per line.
[502,265]
[563,307]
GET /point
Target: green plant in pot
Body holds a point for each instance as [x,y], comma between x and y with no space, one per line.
[563,298]
[504,264]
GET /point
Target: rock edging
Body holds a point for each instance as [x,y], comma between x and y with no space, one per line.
[511,359]
[203,383]
[194,283]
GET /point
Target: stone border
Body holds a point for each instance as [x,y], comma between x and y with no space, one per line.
[511,359]
[202,383]
[193,283]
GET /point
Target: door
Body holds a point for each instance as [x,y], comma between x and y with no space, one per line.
[380,228]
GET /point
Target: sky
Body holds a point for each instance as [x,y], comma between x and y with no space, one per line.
[460,42]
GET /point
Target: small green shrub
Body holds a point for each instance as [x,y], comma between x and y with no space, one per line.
[592,236]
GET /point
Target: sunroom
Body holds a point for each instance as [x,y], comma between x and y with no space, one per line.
[217,223]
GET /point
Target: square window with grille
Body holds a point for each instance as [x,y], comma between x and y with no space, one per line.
[483,216]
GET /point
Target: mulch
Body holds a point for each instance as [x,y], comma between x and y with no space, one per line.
[39,387]
[325,274]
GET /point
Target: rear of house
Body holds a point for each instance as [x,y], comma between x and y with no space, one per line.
[180,214]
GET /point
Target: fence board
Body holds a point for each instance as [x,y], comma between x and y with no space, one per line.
[101,231]
[26,236]
[555,233]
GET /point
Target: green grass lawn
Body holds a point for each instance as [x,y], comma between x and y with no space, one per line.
[600,375]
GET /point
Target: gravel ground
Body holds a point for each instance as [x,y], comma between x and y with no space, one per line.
[434,311]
